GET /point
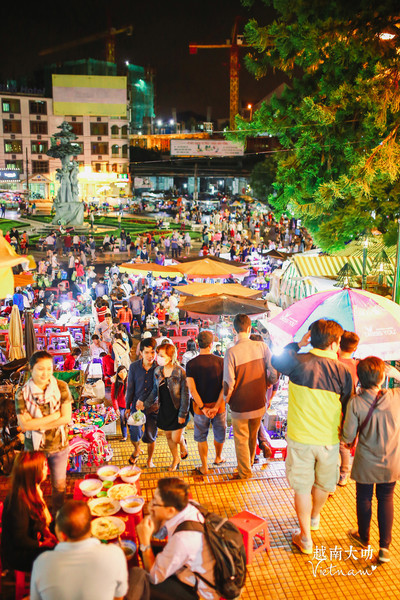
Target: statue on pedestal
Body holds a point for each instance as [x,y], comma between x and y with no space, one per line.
[69,209]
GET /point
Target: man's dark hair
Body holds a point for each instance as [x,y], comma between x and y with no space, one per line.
[205,338]
[76,351]
[349,341]
[95,337]
[74,518]
[174,492]
[241,323]
[148,343]
[324,332]
[370,371]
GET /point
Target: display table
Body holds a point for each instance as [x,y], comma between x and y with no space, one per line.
[130,520]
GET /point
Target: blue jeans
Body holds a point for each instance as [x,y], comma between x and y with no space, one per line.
[202,424]
[384,494]
[58,462]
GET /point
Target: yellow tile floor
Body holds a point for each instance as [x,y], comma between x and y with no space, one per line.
[283,573]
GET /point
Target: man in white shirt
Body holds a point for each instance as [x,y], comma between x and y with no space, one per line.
[80,566]
[170,574]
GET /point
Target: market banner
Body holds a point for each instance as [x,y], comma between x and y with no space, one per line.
[206,148]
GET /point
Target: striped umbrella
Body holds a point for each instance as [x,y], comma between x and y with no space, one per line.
[375,319]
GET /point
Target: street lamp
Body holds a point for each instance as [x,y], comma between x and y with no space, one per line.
[250,108]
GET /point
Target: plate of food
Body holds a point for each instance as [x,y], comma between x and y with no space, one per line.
[103,507]
[121,491]
[107,528]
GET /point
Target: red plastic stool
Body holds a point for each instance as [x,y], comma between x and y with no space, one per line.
[251,526]
[21,584]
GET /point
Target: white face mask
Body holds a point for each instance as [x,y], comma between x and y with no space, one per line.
[161,361]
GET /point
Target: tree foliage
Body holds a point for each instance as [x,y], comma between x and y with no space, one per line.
[338,120]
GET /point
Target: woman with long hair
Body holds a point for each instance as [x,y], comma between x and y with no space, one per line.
[118,393]
[170,388]
[121,351]
[43,407]
[26,518]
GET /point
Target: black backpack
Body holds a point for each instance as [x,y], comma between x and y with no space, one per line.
[226,544]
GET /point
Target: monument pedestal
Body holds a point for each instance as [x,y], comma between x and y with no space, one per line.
[69,214]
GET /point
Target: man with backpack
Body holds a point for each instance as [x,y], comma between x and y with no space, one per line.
[193,563]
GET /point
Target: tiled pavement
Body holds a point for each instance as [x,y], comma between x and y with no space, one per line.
[284,573]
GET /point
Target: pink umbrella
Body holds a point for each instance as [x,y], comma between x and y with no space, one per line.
[375,319]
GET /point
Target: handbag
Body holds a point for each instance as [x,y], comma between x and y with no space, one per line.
[366,420]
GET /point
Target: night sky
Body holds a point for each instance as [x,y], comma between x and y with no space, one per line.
[161,35]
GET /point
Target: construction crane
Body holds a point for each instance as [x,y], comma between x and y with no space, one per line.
[110,42]
[233,44]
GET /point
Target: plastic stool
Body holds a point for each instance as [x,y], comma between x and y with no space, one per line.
[21,585]
[252,526]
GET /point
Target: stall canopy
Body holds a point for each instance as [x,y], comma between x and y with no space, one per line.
[23,279]
[216,289]
[223,305]
[144,268]
[209,268]
[8,259]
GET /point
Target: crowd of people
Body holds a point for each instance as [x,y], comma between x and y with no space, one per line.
[335,403]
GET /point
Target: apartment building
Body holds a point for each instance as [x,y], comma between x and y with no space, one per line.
[27,125]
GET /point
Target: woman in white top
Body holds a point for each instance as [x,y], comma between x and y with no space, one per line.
[121,351]
[191,352]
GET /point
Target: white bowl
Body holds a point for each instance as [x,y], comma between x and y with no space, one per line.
[127,477]
[108,473]
[130,500]
[90,487]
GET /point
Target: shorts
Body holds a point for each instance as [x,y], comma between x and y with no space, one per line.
[202,425]
[308,466]
[147,432]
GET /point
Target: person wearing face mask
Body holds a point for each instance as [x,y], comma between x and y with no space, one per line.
[171,392]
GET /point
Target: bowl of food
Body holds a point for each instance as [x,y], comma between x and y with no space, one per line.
[103,507]
[128,547]
[130,474]
[108,473]
[90,487]
[132,504]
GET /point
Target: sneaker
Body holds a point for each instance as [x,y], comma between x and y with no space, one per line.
[384,555]
[315,523]
[304,547]
[355,537]
[343,479]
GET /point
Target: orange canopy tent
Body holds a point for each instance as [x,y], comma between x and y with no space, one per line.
[216,289]
[198,269]
[8,259]
[144,268]
[23,279]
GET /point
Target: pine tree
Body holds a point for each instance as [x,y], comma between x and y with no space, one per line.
[338,119]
